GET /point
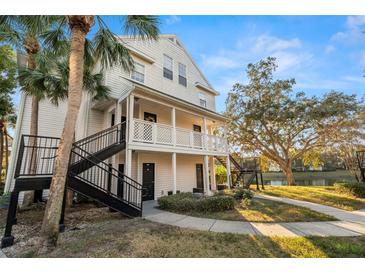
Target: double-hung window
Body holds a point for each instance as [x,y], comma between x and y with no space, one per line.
[138,72]
[202,100]
[182,75]
[167,67]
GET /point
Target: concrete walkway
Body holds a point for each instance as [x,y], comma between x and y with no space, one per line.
[2,255]
[349,224]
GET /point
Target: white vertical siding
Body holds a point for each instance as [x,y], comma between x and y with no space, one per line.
[186,171]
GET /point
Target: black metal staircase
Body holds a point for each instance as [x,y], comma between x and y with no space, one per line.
[88,174]
[241,171]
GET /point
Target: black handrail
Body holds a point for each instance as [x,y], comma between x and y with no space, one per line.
[36,155]
[104,174]
[95,160]
[103,139]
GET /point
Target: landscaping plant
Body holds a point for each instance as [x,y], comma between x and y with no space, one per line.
[355,189]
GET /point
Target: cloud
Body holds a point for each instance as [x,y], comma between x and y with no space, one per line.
[251,49]
[362,58]
[173,19]
[289,61]
[271,44]
[355,21]
[355,26]
[329,49]
[222,62]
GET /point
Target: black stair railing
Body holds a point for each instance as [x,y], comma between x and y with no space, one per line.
[36,155]
[106,178]
[103,139]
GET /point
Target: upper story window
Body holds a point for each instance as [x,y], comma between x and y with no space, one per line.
[138,72]
[202,100]
[182,75]
[167,67]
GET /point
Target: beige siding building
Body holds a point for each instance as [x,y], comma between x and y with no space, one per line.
[169,110]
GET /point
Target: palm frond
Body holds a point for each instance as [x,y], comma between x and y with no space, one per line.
[109,51]
[142,26]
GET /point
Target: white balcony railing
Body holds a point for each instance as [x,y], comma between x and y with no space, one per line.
[161,134]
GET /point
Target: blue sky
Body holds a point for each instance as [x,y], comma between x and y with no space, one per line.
[322,53]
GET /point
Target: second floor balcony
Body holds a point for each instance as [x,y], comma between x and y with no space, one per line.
[150,133]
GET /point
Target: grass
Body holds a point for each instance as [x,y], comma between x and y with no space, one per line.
[110,235]
[95,232]
[4,200]
[320,195]
[261,210]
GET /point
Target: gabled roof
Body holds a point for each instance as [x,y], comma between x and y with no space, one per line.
[174,39]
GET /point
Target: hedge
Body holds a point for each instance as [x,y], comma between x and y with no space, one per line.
[184,202]
[351,188]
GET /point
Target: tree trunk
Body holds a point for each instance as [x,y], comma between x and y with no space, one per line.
[6,151]
[32,49]
[289,175]
[79,26]
[69,198]
[1,150]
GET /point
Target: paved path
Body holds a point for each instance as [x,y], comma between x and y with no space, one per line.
[349,224]
[2,255]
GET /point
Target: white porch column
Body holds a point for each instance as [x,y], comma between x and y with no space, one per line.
[205,131]
[174,172]
[117,120]
[212,174]
[206,176]
[130,116]
[128,163]
[173,122]
[228,167]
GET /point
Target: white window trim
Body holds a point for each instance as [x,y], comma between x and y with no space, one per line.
[186,74]
[144,72]
[186,70]
[172,62]
[202,97]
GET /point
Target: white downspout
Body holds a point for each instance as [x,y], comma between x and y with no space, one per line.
[15,146]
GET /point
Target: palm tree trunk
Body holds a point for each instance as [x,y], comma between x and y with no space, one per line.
[6,151]
[80,26]
[29,195]
[1,150]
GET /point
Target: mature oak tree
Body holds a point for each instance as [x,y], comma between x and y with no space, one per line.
[267,117]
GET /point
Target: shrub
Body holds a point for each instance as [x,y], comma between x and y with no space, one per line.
[242,193]
[184,202]
[351,188]
[221,187]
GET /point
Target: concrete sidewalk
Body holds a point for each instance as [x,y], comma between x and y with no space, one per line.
[350,224]
[2,255]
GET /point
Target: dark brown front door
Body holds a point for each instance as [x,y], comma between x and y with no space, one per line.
[120,181]
[199,176]
[150,117]
[112,122]
[197,128]
[148,192]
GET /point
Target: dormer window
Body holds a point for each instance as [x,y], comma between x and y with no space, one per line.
[167,67]
[202,100]
[138,72]
[182,75]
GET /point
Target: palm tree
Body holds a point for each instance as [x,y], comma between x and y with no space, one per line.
[109,51]
[7,118]
[51,78]
[7,87]
[25,34]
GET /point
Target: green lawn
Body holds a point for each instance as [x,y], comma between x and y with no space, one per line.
[320,195]
[95,232]
[261,210]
